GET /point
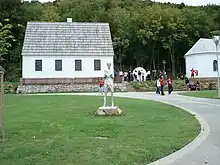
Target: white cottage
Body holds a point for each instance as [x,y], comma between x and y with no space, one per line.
[202,56]
[65,52]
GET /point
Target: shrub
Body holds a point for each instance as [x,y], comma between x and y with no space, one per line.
[178,85]
[10,88]
[210,86]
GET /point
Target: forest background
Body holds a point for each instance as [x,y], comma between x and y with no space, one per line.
[144,33]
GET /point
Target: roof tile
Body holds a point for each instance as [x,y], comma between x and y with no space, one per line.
[67,39]
[203,45]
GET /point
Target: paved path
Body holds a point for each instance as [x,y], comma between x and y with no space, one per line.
[205,149]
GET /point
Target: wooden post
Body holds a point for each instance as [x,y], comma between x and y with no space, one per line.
[2,107]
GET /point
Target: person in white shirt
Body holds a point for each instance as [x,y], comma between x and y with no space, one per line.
[158,86]
[120,73]
[126,76]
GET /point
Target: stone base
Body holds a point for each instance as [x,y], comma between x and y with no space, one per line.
[108,111]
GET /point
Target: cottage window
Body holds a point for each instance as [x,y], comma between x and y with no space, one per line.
[58,65]
[215,65]
[38,65]
[78,65]
[97,65]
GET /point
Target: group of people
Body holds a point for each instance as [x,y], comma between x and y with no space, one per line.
[191,85]
[160,83]
[125,76]
[138,74]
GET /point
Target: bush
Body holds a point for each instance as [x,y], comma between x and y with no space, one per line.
[10,88]
[210,86]
[178,85]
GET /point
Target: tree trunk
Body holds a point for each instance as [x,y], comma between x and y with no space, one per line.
[173,66]
[173,63]
[153,56]
[172,58]
[120,59]
[120,66]
[158,58]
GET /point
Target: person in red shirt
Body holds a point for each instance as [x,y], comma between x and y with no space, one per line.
[170,86]
[192,73]
[101,86]
[161,85]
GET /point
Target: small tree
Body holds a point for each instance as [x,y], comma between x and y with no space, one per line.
[6,37]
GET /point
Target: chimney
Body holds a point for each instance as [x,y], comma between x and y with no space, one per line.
[69,20]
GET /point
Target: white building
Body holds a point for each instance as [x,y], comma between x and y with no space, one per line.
[65,52]
[202,57]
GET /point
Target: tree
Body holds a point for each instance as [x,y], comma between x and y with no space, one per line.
[143,32]
[33,11]
[6,37]
[120,46]
[174,32]
[50,14]
[120,24]
[149,34]
[82,10]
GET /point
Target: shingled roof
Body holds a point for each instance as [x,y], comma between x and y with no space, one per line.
[203,45]
[67,39]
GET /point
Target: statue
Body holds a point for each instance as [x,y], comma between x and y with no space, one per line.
[108,86]
[108,83]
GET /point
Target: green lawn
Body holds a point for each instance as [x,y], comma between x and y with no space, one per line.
[203,94]
[61,130]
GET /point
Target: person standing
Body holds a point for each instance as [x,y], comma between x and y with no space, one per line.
[129,76]
[121,74]
[162,85]
[101,86]
[164,75]
[187,83]
[160,73]
[170,86]
[158,86]
[192,73]
[125,76]
[139,75]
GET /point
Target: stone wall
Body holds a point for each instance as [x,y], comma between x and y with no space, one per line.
[62,88]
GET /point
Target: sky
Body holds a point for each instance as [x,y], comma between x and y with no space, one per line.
[187,2]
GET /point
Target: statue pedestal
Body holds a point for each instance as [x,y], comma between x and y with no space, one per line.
[108,111]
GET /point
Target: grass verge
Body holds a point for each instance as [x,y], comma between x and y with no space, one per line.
[203,94]
[55,130]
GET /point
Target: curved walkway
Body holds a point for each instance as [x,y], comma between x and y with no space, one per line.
[205,149]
